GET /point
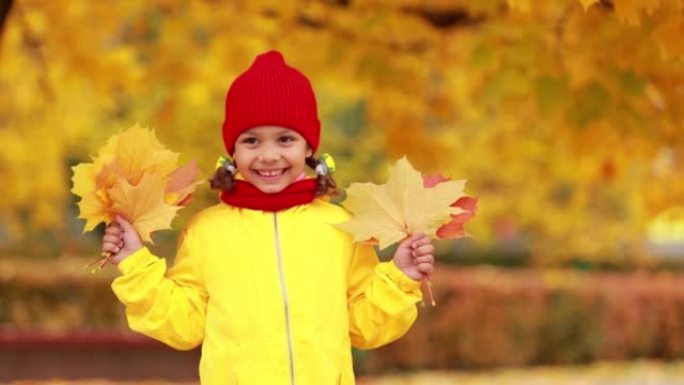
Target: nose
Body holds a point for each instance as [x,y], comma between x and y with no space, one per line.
[269,154]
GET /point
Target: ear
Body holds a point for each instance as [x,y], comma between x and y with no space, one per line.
[309,151]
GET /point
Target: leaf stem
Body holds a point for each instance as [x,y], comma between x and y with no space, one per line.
[104,259]
[428,287]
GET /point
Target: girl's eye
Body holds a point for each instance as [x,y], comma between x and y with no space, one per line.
[249,140]
[287,139]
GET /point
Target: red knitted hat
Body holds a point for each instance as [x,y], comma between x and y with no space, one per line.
[271,92]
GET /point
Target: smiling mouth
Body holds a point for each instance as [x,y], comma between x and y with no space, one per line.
[270,173]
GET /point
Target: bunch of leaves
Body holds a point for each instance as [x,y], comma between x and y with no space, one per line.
[136,177]
[408,203]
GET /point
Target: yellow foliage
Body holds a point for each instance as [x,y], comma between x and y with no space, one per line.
[557,112]
[669,38]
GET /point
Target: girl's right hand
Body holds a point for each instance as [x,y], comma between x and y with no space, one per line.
[120,239]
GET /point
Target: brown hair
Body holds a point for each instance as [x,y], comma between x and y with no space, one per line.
[224,180]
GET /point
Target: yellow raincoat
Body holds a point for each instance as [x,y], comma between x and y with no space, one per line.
[274,298]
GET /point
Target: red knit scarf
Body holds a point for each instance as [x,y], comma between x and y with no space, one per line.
[248,196]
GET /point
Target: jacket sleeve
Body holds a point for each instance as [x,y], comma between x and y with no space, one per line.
[382,300]
[167,306]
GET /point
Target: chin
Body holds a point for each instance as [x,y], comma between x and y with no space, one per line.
[271,189]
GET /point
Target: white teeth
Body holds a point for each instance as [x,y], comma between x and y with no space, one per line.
[270,173]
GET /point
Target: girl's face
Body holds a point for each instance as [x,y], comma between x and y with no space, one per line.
[271,157]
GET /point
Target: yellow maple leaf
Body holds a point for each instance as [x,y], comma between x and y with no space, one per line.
[84,179]
[143,204]
[402,206]
[94,210]
[133,153]
[136,177]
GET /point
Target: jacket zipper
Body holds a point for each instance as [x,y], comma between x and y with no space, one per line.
[283,291]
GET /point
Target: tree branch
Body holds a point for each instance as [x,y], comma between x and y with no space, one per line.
[445,18]
[5,7]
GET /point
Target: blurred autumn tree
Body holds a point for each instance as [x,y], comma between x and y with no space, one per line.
[565,116]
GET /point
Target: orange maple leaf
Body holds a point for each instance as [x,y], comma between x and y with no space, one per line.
[182,182]
[454,228]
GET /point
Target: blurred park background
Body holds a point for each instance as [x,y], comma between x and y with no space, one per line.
[566,117]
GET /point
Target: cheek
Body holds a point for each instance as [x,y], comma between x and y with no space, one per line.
[242,160]
[299,162]
[299,166]
[243,170]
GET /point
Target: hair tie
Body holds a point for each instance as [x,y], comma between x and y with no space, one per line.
[226,163]
[325,165]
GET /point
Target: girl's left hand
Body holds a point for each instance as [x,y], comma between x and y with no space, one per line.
[414,256]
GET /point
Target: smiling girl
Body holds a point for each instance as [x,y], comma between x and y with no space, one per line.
[274,292]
